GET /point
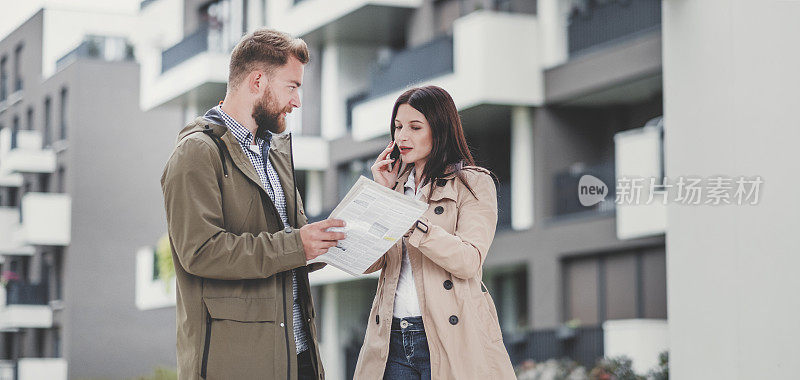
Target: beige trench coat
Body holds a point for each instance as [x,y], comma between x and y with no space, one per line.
[460,319]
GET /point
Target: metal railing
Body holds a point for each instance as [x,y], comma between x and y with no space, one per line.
[21,293]
[413,65]
[594,23]
[566,188]
[99,47]
[585,346]
[190,46]
[405,68]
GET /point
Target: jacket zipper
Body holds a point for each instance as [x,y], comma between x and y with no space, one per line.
[286,331]
[206,346]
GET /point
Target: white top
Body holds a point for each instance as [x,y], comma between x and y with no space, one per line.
[406,303]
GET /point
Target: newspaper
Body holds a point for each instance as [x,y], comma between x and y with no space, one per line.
[376,217]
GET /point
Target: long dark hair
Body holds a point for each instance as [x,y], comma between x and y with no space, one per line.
[449,152]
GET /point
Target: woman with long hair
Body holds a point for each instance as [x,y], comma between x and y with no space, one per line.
[432,316]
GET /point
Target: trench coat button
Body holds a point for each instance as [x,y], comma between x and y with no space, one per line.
[288,230]
[438,210]
[281,324]
[453,319]
[308,320]
[448,284]
[377,320]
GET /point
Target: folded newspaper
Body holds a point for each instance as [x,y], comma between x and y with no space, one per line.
[376,217]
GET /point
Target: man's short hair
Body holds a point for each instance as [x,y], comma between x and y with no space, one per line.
[264,49]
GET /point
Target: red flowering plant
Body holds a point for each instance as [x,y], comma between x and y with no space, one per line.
[8,276]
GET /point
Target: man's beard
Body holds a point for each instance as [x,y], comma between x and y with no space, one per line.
[268,116]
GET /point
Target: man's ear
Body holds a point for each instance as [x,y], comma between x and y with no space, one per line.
[257,82]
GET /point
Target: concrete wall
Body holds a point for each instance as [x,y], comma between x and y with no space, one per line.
[730,101]
[117,154]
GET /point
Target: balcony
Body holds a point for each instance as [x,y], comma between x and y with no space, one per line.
[193,71]
[11,243]
[640,155]
[596,24]
[34,369]
[21,293]
[99,47]
[376,21]
[46,219]
[480,64]
[566,182]
[21,152]
[24,306]
[203,40]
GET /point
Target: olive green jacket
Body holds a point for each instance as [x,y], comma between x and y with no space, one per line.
[233,258]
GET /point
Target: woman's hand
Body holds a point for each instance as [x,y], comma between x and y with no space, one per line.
[383,172]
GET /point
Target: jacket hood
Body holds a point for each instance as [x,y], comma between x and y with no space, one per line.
[211,120]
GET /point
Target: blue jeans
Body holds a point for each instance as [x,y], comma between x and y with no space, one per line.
[409,357]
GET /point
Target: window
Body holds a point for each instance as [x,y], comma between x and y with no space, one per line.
[62,114]
[3,78]
[46,139]
[631,284]
[44,182]
[18,68]
[14,130]
[509,289]
[61,180]
[29,121]
[58,266]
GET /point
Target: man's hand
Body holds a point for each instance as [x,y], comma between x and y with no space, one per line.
[316,240]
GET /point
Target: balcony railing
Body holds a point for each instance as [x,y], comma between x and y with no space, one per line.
[413,65]
[21,152]
[584,345]
[594,23]
[21,293]
[566,188]
[207,38]
[99,47]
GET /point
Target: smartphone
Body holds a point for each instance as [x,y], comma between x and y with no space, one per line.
[395,155]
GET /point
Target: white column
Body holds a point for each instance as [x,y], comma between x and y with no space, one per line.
[521,168]
[333,119]
[312,200]
[332,356]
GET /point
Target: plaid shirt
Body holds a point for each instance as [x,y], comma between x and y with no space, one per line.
[259,157]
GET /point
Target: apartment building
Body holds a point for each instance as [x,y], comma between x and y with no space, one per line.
[548,91]
[79,193]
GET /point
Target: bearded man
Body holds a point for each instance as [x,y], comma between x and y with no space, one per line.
[239,236]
